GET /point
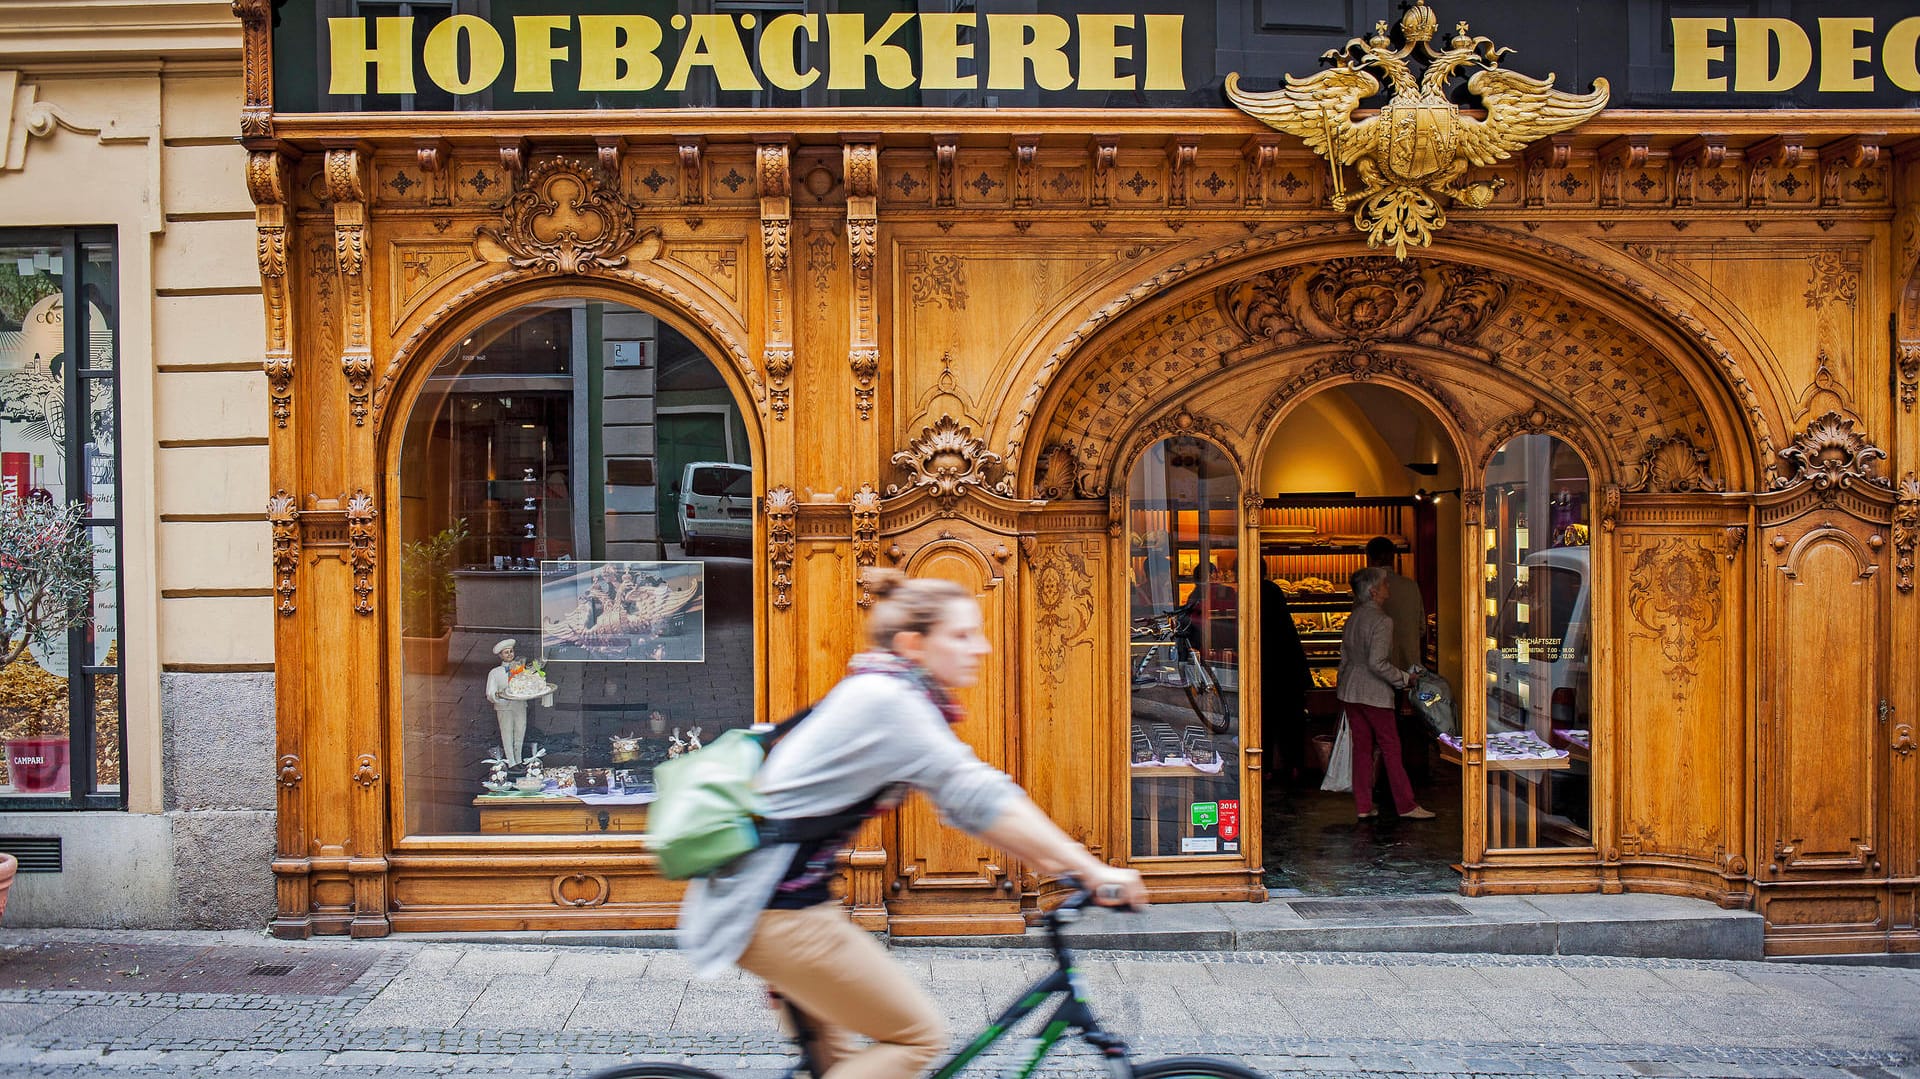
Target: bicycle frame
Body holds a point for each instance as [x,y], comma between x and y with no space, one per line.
[1073,1013]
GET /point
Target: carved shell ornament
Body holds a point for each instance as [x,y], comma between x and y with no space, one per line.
[1411,155]
[946,457]
[566,220]
[1830,454]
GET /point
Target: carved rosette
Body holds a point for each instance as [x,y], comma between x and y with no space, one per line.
[947,458]
[1674,593]
[1906,529]
[284,515]
[780,503]
[1671,465]
[1831,455]
[861,161]
[866,535]
[566,219]
[361,540]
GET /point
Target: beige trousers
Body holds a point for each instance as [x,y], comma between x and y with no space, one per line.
[843,982]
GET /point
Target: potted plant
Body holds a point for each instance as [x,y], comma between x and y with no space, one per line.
[46,589]
[427,615]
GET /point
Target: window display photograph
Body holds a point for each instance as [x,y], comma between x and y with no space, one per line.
[1183,663]
[561,636]
[1539,665]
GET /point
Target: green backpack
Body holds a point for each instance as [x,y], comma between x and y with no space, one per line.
[707,812]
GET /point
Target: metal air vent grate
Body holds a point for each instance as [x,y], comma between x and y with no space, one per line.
[37,853]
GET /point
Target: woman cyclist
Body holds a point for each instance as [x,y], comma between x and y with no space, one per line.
[883,729]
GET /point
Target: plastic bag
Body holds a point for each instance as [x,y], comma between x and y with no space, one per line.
[1339,775]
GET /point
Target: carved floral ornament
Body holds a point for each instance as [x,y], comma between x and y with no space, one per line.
[1906,529]
[566,219]
[1411,155]
[1674,593]
[1359,301]
[1831,455]
[946,457]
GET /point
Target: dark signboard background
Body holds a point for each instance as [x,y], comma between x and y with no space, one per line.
[1629,42]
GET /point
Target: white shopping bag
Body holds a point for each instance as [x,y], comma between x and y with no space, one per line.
[1340,762]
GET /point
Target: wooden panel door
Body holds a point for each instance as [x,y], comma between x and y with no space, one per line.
[1823,771]
[944,881]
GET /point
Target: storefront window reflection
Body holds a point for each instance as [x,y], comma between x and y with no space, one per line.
[1183,660]
[566,626]
[1538,595]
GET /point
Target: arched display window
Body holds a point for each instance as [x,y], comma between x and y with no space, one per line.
[1183,656]
[1538,571]
[576,506]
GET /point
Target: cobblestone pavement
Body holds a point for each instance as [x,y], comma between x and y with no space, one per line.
[433,1009]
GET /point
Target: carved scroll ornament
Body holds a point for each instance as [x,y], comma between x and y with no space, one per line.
[284,515]
[566,219]
[1829,454]
[946,457]
[780,504]
[1906,529]
[1412,154]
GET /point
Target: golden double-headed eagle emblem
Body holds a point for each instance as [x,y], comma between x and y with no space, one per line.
[1412,153]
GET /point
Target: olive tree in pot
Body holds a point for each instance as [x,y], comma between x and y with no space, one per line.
[47,583]
[429,592]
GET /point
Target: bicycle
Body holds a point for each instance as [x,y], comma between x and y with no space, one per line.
[1073,1013]
[1187,669]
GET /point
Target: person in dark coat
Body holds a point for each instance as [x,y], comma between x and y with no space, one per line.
[1284,682]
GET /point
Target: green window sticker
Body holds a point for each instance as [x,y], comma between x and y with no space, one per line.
[1205,814]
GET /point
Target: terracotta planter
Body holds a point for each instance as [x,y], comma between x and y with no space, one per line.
[8,866]
[38,765]
[425,655]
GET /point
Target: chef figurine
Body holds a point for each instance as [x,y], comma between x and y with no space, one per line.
[511,713]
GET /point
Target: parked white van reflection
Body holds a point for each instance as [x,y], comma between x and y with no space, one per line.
[716,506]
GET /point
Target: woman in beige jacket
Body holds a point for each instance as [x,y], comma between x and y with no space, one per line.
[1367,681]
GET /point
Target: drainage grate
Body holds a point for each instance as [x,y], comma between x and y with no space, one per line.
[37,853]
[270,970]
[1378,909]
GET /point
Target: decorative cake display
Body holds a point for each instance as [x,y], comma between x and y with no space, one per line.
[527,681]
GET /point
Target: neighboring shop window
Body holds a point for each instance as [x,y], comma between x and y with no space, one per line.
[576,479]
[60,711]
[1539,645]
[1182,659]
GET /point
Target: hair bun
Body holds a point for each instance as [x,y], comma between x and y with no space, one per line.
[881,583]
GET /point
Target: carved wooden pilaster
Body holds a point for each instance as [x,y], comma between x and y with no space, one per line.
[348,187]
[1259,153]
[1101,186]
[1616,157]
[1906,530]
[866,536]
[693,170]
[776,227]
[780,507]
[1180,155]
[1251,505]
[267,183]
[1025,149]
[435,158]
[945,149]
[361,545]
[862,166]
[284,515]
[1782,152]
[1470,502]
[256,49]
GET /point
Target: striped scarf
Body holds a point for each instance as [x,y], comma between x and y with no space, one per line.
[899,666]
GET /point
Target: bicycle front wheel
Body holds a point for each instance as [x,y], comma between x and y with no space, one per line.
[646,1070]
[1193,1068]
[1203,692]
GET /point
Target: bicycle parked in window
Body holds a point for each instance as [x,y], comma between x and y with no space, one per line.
[1073,1013]
[1171,658]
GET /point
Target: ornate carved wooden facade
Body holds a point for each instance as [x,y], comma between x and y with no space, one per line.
[954,333]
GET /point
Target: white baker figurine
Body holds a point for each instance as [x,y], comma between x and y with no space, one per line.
[511,713]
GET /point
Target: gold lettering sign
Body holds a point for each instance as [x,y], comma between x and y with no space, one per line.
[465,54]
[1717,56]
